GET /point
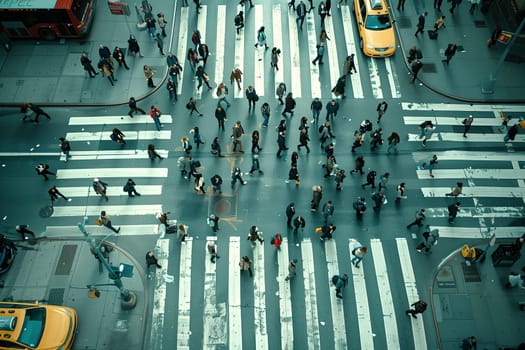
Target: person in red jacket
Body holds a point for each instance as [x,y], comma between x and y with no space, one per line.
[277,240]
[155,114]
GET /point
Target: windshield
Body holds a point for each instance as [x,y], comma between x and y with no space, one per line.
[378,22]
[33,327]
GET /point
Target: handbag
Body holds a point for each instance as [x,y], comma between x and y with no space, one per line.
[297,182]
[318,229]
[98,222]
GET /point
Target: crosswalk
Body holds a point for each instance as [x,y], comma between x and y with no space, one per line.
[354,321]
[493,181]
[376,78]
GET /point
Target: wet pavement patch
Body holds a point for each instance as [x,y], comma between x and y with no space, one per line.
[66,260]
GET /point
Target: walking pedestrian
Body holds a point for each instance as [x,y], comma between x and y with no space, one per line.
[172,89]
[332,108]
[86,63]
[274,63]
[317,195]
[401,188]
[301,13]
[100,188]
[401,5]
[222,92]
[265,111]
[280,91]
[216,182]
[421,23]
[292,270]
[383,181]
[419,307]
[104,53]
[320,53]
[321,11]
[261,39]
[358,252]
[106,221]
[277,240]
[152,28]
[454,3]
[193,58]
[293,174]
[252,97]
[254,235]
[376,139]
[289,105]
[239,22]
[201,76]
[379,199]
[430,238]
[255,141]
[298,223]
[24,230]
[65,147]
[381,110]
[155,114]
[160,43]
[130,188]
[330,166]
[303,140]
[182,233]
[197,139]
[133,46]
[192,106]
[290,212]
[281,142]
[393,141]
[360,207]
[359,164]
[415,68]
[450,51]
[453,210]
[440,23]
[316,106]
[327,232]
[42,169]
[152,154]
[213,222]
[467,123]
[419,218]
[340,283]
[162,23]
[149,73]
[511,133]
[38,112]
[328,4]
[133,108]
[204,52]
[107,69]
[328,212]
[212,249]
[427,133]
[54,193]
[118,55]
[340,86]
[370,179]
[236,175]
[456,191]
[358,141]
[151,259]
[246,265]
[117,136]
[185,144]
[236,75]
[437,4]
[433,161]
[339,177]
[237,133]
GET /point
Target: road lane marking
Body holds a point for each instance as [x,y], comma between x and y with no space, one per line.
[111,120]
[129,135]
[351,47]
[259,297]
[219,46]
[182,44]
[239,58]
[336,304]
[315,82]
[234,294]
[285,297]
[295,58]
[278,43]
[110,173]
[184,308]
[310,303]
[113,210]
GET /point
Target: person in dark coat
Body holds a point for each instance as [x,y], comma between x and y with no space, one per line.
[86,63]
[290,212]
[133,108]
[118,55]
[453,210]
[450,51]
[332,108]
[151,259]
[316,198]
[133,46]
[370,179]
[339,88]
[360,207]
[289,105]
[511,133]
[419,307]
[415,67]
[38,112]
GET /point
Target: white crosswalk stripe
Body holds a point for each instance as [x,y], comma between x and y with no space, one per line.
[239,58]
[234,294]
[219,46]
[182,45]
[113,154]
[113,120]
[348,27]
[129,135]
[259,295]
[295,60]
[338,318]
[278,43]
[285,298]
[184,307]
[110,173]
[313,338]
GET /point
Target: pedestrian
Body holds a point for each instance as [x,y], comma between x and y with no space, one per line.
[237,133]
[236,175]
[379,199]
[303,140]
[317,195]
[456,191]
[105,221]
[340,86]
[86,63]
[42,169]
[321,11]
[370,179]
[290,212]
[450,51]
[118,55]
[236,75]
[151,259]
[419,307]
[133,46]
[204,52]
[454,3]
[294,158]
[65,147]
[280,91]
[419,218]
[100,187]
[515,280]
[415,68]
[469,343]
[54,193]
[453,210]
[24,230]
[277,240]
[149,73]
[383,180]
[201,76]
[289,105]
[293,174]
[358,141]
[193,58]
[281,142]
[327,231]
[330,166]
[265,111]
[261,39]
[252,97]
[340,283]
[412,54]
[130,188]
[107,69]
[323,36]
[393,141]
[494,36]
[292,270]
[359,164]
[160,43]
[155,114]
[437,4]
[298,223]
[300,10]
[358,252]
[401,5]
[222,92]
[182,233]
[328,4]
[467,123]
[152,28]
[511,133]
[360,207]
[197,139]
[400,192]
[440,23]
[104,53]
[328,212]
[339,177]
[433,161]
[216,182]
[254,235]
[320,53]
[220,115]
[212,249]
[430,238]
[427,133]
[172,60]
[246,265]
[162,23]
[332,108]
[172,89]
[185,144]
[421,23]
[274,63]
[255,141]
[381,110]
[197,6]
[376,139]
[192,106]
[117,136]
[133,108]
[199,183]
[316,106]
[239,22]
[213,222]
[152,154]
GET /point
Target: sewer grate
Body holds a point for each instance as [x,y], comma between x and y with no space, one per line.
[56,296]
[66,260]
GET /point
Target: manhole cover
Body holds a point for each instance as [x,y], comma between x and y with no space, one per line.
[222,206]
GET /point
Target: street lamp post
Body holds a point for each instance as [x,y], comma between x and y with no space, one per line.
[128,298]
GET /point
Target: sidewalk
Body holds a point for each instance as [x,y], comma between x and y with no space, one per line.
[57,272]
[472,301]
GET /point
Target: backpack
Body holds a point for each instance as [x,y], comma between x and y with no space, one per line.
[272,241]
[188,105]
[321,128]
[237,20]
[335,278]
[218,92]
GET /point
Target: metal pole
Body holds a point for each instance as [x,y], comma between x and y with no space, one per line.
[488,86]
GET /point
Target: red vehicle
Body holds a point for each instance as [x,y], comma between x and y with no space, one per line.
[46,19]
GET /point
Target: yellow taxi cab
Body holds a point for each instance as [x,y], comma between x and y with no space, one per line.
[376,30]
[36,326]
